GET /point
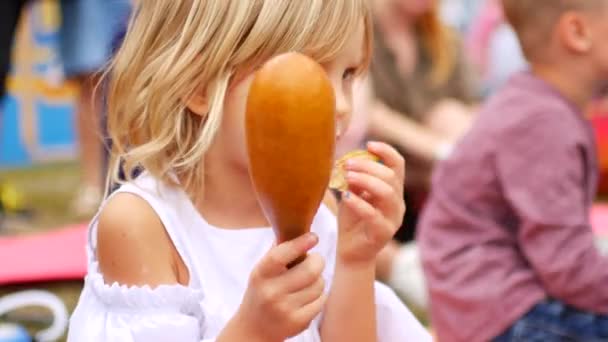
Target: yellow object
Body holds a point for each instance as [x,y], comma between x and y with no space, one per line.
[338,175]
[11,199]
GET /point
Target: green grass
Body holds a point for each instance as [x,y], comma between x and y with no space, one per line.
[47,191]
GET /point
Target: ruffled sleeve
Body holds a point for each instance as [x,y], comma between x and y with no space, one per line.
[131,314]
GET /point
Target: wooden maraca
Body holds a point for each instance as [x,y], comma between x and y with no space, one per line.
[290,131]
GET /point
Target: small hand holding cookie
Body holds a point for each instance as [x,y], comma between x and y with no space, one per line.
[372,208]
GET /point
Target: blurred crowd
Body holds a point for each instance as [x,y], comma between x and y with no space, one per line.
[435,64]
[86,37]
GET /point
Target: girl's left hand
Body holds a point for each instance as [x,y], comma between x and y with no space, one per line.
[372,209]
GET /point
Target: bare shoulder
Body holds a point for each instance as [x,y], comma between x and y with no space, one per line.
[133,247]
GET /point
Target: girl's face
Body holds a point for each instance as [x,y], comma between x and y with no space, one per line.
[341,72]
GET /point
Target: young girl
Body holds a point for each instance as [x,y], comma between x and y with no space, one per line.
[176,254]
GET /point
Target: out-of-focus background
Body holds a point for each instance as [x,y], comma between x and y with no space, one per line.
[51,154]
[51,162]
[38,140]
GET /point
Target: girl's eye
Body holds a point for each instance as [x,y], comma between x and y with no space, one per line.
[349,74]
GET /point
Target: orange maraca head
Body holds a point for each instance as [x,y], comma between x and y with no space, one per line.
[290,132]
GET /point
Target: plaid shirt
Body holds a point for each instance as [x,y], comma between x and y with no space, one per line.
[507,223]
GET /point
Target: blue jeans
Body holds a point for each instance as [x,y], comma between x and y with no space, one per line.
[87,33]
[553,320]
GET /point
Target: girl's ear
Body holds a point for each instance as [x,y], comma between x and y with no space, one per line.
[198,102]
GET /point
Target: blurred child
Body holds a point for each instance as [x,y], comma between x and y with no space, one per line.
[505,240]
[171,262]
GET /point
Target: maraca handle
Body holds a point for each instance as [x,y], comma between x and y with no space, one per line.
[297,261]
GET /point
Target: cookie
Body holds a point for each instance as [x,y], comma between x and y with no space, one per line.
[338,181]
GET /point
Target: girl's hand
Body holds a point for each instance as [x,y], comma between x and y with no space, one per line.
[372,210]
[281,302]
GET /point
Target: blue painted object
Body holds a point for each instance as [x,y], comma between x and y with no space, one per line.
[13,333]
[12,151]
[37,93]
[56,125]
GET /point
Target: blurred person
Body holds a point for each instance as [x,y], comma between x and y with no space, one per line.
[505,239]
[173,254]
[460,14]
[422,88]
[424,94]
[87,33]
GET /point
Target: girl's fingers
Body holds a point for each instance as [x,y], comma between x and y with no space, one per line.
[309,311]
[303,275]
[389,156]
[383,194]
[383,228]
[376,169]
[275,262]
[377,194]
[307,295]
[359,207]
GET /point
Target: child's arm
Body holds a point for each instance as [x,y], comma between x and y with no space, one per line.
[544,175]
[409,135]
[369,215]
[350,313]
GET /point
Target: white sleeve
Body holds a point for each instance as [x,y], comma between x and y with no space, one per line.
[137,314]
[139,327]
[395,321]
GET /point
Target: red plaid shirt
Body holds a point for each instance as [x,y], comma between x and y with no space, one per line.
[507,223]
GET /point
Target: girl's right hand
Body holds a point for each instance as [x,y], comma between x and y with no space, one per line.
[281,302]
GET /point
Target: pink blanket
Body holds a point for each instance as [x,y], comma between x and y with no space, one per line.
[61,254]
[52,256]
[599,220]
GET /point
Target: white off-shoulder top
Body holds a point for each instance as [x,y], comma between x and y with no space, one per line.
[219,262]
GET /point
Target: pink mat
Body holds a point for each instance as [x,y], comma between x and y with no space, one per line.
[61,254]
[599,220]
[53,256]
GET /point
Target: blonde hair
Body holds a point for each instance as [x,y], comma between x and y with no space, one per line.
[176,48]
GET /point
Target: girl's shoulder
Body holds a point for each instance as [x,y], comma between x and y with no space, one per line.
[132,245]
[131,236]
[132,289]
